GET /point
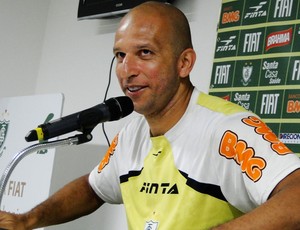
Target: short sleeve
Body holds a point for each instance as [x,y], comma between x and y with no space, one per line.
[104,178]
[253,160]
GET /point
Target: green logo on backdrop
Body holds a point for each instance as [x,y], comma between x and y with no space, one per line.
[4,124]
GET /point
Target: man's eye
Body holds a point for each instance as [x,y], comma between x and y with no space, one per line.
[120,55]
[146,52]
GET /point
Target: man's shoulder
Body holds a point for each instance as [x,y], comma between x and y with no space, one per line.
[219,105]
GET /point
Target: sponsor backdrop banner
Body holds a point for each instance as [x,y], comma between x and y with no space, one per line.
[257,62]
[29,183]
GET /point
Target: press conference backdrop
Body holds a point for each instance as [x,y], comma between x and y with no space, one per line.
[257,62]
[41,174]
[30,181]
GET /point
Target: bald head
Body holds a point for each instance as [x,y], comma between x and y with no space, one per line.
[154,56]
[173,22]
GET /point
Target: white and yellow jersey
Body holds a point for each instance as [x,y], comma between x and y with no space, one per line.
[218,162]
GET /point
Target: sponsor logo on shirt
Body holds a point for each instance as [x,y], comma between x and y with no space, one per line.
[233,148]
[159,188]
[238,150]
[262,129]
[109,153]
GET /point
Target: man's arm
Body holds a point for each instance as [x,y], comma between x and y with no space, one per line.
[74,200]
[281,211]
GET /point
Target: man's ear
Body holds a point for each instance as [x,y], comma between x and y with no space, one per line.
[186,62]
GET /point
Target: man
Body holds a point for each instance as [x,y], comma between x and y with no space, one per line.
[192,161]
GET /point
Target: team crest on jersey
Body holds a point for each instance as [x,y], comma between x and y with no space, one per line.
[151,225]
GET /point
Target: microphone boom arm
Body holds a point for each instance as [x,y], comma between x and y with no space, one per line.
[75,140]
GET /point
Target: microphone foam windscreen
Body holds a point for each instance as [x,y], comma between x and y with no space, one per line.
[119,107]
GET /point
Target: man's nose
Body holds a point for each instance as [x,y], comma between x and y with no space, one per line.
[130,65]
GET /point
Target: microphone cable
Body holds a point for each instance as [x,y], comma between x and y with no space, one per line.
[105,96]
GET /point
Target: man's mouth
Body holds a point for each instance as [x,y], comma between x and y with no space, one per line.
[134,88]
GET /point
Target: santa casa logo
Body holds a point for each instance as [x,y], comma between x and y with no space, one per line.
[242,99]
[257,11]
[271,72]
[4,124]
[279,38]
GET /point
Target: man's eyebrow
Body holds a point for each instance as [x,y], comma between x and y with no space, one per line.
[115,49]
[136,47]
[146,45]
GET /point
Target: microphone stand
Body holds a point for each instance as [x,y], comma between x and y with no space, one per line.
[75,140]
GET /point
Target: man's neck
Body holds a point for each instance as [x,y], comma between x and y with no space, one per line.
[163,122]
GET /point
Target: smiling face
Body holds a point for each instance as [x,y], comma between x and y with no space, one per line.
[148,60]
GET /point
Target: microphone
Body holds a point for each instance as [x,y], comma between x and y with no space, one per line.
[84,121]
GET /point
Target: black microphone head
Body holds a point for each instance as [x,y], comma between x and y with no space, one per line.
[31,136]
[119,107]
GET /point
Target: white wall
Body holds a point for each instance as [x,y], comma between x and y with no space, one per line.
[22,25]
[77,54]
[45,49]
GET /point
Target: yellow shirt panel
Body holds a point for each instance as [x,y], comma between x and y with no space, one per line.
[160,197]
